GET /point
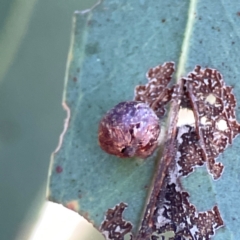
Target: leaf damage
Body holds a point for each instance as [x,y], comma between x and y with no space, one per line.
[213,104]
[114,226]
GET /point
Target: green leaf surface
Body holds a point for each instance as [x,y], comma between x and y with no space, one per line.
[112,48]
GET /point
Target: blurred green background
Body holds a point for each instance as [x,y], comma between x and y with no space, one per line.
[34,43]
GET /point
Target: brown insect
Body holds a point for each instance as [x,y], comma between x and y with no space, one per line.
[129,129]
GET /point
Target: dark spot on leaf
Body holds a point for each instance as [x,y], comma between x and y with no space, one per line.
[75,79]
[59,169]
[163,20]
[92,48]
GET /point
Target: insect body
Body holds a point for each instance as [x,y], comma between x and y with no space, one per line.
[129,129]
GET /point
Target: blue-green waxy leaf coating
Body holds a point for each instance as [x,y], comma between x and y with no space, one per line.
[112,48]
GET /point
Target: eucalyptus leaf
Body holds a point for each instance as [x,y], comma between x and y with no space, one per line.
[113,45]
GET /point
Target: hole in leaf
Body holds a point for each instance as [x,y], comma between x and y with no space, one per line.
[222,125]
[211,99]
[185,117]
